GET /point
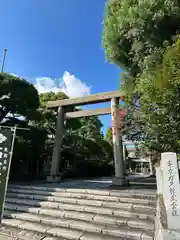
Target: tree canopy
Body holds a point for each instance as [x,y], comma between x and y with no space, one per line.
[159,90]
[46,118]
[135,30]
[141,37]
[17,97]
[19,102]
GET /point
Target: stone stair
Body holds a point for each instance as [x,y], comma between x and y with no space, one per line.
[35,212]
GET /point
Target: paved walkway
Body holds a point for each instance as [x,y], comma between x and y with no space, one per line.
[136,181]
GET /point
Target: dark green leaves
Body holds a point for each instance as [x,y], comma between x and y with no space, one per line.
[17,97]
[133,30]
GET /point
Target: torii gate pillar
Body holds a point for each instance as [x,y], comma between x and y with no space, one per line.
[117,145]
[57,151]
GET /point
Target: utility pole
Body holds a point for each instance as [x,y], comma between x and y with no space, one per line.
[3,60]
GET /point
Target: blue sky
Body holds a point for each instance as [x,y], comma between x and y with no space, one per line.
[56,44]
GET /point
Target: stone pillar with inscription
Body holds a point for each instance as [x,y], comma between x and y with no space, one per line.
[117,145]
[56,158]
[171,189]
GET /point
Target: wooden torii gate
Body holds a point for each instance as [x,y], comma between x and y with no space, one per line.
[63,113]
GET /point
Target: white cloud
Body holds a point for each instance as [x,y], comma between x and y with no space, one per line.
[69,84]
[46,84]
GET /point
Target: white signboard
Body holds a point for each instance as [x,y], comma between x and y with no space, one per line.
[171,189]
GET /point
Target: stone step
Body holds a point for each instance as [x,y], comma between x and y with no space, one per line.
[19,234]
[113,232]
[123,216]
[80,215]
[87,202]
[30,235]
[108,208]
[42,229]
[90,220]
[83,214]
[83,192]
[75,200]
[7,233]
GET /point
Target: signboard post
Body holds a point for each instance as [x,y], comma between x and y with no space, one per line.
[7,137]
[171,189]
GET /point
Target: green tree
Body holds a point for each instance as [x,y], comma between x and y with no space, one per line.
[159,91]
[138,36]
[86,141]
[131,125]
[46,118]
[19,101]
[90,128]
[135,31]
[108,136]
[17,98]
[51,96]
[28,148]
